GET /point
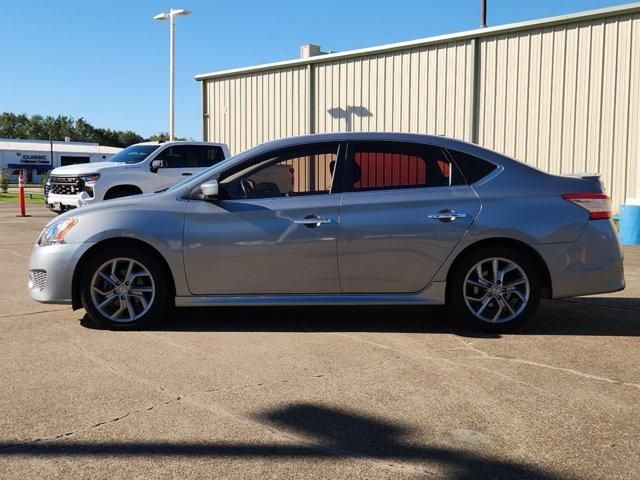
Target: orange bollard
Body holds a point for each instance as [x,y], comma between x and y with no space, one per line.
[23,212]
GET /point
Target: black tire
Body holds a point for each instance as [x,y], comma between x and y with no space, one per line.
[157,307]
[119,192]
[456,293]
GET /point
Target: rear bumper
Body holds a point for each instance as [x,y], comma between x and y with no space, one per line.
[51,271]
[590,265]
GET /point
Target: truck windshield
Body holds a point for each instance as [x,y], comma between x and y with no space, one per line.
[134,154]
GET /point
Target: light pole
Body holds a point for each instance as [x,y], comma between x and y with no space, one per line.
[172,64]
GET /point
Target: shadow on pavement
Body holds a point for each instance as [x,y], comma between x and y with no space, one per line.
[606,316]
[328,434]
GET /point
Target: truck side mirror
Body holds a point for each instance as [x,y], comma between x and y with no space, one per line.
[210,190]
[156,164]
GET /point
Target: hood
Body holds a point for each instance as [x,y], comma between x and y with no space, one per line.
[97,207]
[85,168]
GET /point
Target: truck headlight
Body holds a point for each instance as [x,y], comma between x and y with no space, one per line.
[54,233]
[92,177]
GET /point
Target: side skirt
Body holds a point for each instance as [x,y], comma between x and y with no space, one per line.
[434,294]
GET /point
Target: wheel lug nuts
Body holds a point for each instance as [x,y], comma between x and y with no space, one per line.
[126,283]
[504,290]
[499,297]
[488,294]
[122,297]
[130,292]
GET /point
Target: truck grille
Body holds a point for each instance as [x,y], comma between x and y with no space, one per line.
[66,185]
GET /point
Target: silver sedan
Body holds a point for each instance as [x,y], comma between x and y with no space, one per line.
[353,219]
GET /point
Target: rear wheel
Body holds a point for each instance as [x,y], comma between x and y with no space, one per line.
[124,288]
[495,289]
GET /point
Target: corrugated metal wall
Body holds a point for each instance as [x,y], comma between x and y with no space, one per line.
[424,90]
[565,97]
[246,110]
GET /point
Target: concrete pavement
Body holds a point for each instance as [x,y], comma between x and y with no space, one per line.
[315,392]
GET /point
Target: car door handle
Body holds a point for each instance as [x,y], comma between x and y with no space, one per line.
[186,174]
[312,221]
[448,215]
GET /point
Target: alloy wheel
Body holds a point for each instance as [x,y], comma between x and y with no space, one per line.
[496,290]
[122,290]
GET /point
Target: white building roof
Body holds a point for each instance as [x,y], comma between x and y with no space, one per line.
[45,146]
[477,33]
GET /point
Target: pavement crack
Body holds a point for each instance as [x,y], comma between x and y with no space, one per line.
[93,426]
[29,313]
[487,356]
[13,253]
[450,361]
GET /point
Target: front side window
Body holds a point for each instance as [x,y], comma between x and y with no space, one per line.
[304,170]
[133,154]
[393,165]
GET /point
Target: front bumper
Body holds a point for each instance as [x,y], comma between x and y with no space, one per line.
[590,265]
[51,271]
[69,201]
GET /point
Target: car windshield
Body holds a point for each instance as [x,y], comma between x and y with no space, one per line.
[134,154]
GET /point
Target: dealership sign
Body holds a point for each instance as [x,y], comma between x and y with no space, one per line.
[33,158]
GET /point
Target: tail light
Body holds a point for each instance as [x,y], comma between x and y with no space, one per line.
[597,204]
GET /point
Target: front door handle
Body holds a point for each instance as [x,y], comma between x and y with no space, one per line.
[448,215]
[312,221]
[186,174]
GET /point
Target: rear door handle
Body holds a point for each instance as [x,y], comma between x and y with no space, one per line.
[186,174]
[312,221]
[448,215]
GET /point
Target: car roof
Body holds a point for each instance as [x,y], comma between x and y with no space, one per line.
[178,142]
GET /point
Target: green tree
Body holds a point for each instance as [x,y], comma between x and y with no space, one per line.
[37,127]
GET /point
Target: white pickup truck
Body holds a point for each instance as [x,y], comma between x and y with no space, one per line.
[140,168]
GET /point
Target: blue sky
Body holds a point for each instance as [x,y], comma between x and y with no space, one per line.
[107,60]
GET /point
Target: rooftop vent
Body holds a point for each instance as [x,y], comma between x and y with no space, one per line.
[310,50]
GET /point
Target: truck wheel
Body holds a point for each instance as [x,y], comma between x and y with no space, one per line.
[124,288]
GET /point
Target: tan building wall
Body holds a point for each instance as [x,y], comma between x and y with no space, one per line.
[562,94]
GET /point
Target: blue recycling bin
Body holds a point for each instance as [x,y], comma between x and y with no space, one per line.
[630,224]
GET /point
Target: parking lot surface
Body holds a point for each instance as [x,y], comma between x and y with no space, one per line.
[315,392]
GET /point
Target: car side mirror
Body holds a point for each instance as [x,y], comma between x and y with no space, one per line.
[156,164]
[210,189]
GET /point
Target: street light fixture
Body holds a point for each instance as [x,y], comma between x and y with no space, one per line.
[170,15]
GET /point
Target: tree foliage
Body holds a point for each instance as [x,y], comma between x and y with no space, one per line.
[37,127]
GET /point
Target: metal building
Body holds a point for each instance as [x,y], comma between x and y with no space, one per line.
[36,157]
[560,93]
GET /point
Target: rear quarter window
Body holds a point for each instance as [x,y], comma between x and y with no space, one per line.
[472,167]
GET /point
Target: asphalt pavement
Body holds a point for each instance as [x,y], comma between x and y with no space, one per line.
[315,392]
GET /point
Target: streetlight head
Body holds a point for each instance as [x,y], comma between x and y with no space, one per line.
[181,11]
[161,16]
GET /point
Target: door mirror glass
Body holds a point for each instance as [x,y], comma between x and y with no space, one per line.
[210,189]
[156,164]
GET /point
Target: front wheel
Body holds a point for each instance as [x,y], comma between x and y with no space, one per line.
[124,288]
[495,289]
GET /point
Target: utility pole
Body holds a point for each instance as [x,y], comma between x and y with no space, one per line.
[483,13]
[172,65]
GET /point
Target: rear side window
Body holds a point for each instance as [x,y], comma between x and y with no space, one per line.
[393,165]
[205,155]
[472,167]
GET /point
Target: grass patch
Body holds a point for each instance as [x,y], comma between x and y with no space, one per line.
[29,197]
